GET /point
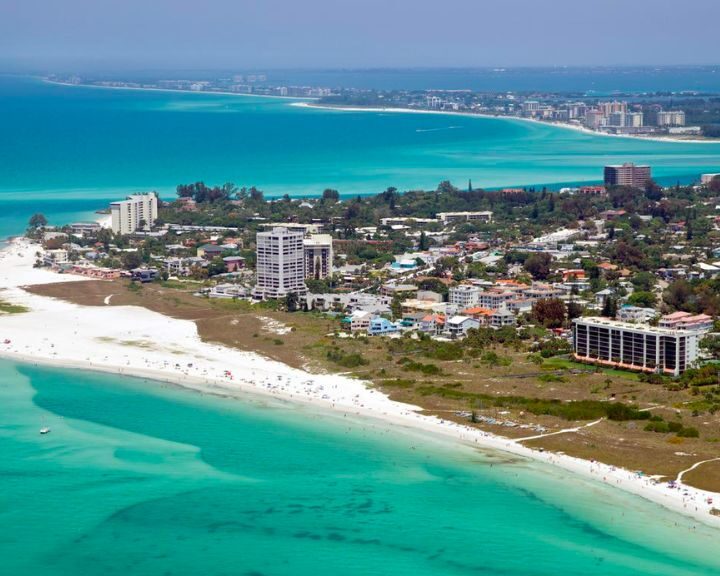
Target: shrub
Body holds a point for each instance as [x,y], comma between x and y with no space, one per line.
[689,432]
[430,369]
[346,360]
[654,426]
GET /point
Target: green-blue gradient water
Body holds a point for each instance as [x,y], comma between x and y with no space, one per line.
[67,151]
[141,478]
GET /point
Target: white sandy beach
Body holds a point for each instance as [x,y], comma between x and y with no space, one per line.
[175,90]
[135,341]
[574,127]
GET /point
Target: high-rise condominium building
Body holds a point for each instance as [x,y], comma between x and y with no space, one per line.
[318,256]
[280,264]
[136,212]
[608,108]
[670,118]
[627,175]
[634,346]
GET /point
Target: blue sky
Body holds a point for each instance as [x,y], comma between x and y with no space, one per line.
[240,34]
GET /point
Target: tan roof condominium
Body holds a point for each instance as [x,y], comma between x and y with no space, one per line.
[280,264]
[627,174]
[136,212]
[634,346]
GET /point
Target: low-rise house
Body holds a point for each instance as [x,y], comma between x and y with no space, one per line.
[573,274]
[686,321]
[432,324]
[55,257]
[85,228]
[542,292]
[520,305]
[480,314]
[602,296]
[628,313]
[502,317]
[429,295]
[228,291]
[427,306]
[708,270]
[380,326]
[210,251]
[458,326]
[96,272]
[358,321]
[144,275]
[391,289]
[234,263]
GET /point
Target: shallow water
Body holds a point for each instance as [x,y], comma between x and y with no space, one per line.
[139,477]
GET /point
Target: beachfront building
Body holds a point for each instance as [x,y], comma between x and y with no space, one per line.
[458,326]
[380,326]
[318,255]
[627,174]
[634,346]
[670,118]
[280,266]
[464,296]
[136,212]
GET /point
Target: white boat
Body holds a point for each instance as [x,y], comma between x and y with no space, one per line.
[44,430]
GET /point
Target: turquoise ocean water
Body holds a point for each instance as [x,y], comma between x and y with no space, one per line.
[140,478]
[69,150]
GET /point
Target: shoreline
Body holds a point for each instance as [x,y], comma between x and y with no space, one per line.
[580,129]
[311,102]
[133,341]
[173,90]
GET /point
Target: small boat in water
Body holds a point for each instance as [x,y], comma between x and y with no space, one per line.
[44,430]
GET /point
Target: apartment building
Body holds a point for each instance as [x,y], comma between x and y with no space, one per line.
[318,255]
[634,346]
[280,265]
[494,300]
[136,212]
[627,174]
[448,217]
[670,118]
[464,296]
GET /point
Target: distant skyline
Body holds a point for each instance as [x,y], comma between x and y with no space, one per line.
[87,35]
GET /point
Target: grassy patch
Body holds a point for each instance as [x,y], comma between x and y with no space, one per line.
[556,363]
[7,308]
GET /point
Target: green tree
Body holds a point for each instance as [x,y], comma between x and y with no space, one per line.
[292,301]
[609,309]
[538,265]
[423,244]
[642,298]
[216,266]
[131,260]
[37,220]
[550,312]
[330,194]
